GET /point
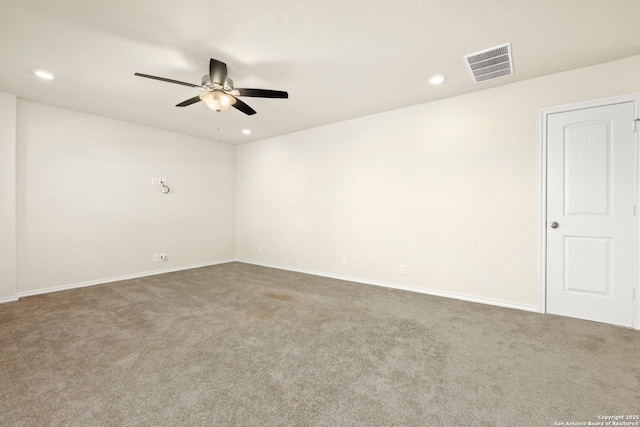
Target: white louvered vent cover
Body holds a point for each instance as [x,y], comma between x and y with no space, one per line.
[491,63]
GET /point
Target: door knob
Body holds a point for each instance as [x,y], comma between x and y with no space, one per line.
[555,225]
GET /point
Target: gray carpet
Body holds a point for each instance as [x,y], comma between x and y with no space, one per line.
[237,344]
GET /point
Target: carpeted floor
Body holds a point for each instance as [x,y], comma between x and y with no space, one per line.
[238,344]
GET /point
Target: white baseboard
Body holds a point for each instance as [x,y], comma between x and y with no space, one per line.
[117,279]
[470,298]
[8,299]
[453,295]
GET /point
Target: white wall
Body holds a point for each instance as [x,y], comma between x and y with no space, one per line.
[7,197]
[448,188]
[87,210]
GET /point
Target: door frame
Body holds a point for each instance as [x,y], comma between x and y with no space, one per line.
[543,114]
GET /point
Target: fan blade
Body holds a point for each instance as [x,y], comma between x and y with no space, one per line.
[260,93]
[189,101]
[217,71]
[162,79]
[239,105]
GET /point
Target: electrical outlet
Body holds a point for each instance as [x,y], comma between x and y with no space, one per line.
[344,262]
[162,181]
[164,257]
[403,269]
[154,180]
[260,251]
[155,257]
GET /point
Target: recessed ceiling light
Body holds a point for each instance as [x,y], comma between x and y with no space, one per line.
[43,74]
[437,79]
[246,131]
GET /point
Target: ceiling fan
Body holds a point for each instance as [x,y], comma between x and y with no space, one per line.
[219,93]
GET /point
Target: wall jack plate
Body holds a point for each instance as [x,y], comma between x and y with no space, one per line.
[164,257]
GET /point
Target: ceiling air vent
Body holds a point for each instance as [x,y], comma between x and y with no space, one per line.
[491,63]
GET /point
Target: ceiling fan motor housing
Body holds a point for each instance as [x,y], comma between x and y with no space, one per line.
[206,82]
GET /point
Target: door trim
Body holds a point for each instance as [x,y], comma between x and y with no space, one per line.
[543,114]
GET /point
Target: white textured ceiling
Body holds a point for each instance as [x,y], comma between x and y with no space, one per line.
[337,59]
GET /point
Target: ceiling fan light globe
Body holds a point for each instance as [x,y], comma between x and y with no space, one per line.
[217,100]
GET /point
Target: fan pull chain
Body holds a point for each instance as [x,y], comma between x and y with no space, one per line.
[218,129]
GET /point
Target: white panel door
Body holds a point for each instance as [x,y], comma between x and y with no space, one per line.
[590,213]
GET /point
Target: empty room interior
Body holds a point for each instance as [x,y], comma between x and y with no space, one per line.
[319,213]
